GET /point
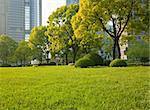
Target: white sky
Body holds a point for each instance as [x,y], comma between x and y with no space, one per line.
[48,6]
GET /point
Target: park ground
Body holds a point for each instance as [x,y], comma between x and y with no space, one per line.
[69,88]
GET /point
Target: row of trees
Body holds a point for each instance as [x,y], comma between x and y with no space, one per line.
[13,52]
[73,31]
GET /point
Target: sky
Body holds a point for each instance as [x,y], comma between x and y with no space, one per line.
[48,6]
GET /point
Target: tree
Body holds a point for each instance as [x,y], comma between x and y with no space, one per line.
[138,24]
[7,48]
[60,31]
[86,34]
[23,52]
[110,16]
[39,43]
[139,51]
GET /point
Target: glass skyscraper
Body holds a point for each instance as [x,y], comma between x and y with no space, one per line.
[18,17]
[68,2]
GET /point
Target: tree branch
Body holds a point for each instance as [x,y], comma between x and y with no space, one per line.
[103,26]
[126,22]
[114,26]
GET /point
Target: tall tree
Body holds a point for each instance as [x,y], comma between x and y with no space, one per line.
[23,52]
[87,35]
[7,48]
[60,31]
[111,16]
[39,43]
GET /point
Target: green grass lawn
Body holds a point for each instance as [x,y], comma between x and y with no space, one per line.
[69,88]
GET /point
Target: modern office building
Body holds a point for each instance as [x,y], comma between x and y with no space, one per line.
[18,17]
[68,2]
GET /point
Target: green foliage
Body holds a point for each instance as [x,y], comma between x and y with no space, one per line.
[92,59]
[69,88]
[140,19]
[139,51]
[114,17]
[95,58]
[7,48]
[106,62]
[84,62]
[5,65]
[118,63]
[87,36]
[60,32]
[38,42]
[23,52]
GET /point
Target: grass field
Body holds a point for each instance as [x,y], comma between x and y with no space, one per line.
[69,88]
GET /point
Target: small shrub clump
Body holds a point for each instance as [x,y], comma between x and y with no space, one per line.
[95,58]
[84,62]
[118,63]
[92,59]
[106,62]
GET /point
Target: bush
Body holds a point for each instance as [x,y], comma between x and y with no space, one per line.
[97,60]
[52,63]
[49,64]
[84,62]
[106,62]
[118,63]
[92,59]
[5,65]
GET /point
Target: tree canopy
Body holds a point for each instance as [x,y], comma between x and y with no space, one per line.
[60,32]
[7,48]
[110,16]
[38,42]
[23,52]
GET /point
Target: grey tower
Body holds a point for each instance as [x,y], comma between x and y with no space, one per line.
[18,17]
[68,2]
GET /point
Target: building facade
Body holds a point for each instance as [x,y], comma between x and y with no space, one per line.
[68,2]
[18,17]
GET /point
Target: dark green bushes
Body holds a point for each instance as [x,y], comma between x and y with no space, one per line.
[92,59]
[97,60]
[84,62]
[5,65]
[118,63]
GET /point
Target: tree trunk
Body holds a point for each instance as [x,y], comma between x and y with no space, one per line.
[75,51]
[118,49]
[66,58]
[114,49]
[21,62]
[74,56]
[24,60]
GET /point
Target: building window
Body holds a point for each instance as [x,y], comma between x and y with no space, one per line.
[27,18]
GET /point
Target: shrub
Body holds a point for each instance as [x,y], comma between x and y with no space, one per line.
[52,63]
[106,62]
[5,65]
[118,63]
[84,62]
[49,64]
[97,60]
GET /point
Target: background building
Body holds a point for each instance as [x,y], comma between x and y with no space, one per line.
[18,17]
[68,2]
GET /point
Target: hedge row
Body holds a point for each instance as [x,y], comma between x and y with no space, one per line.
[93,59]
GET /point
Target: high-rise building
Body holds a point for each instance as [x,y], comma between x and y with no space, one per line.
[18,17]
[68,2]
